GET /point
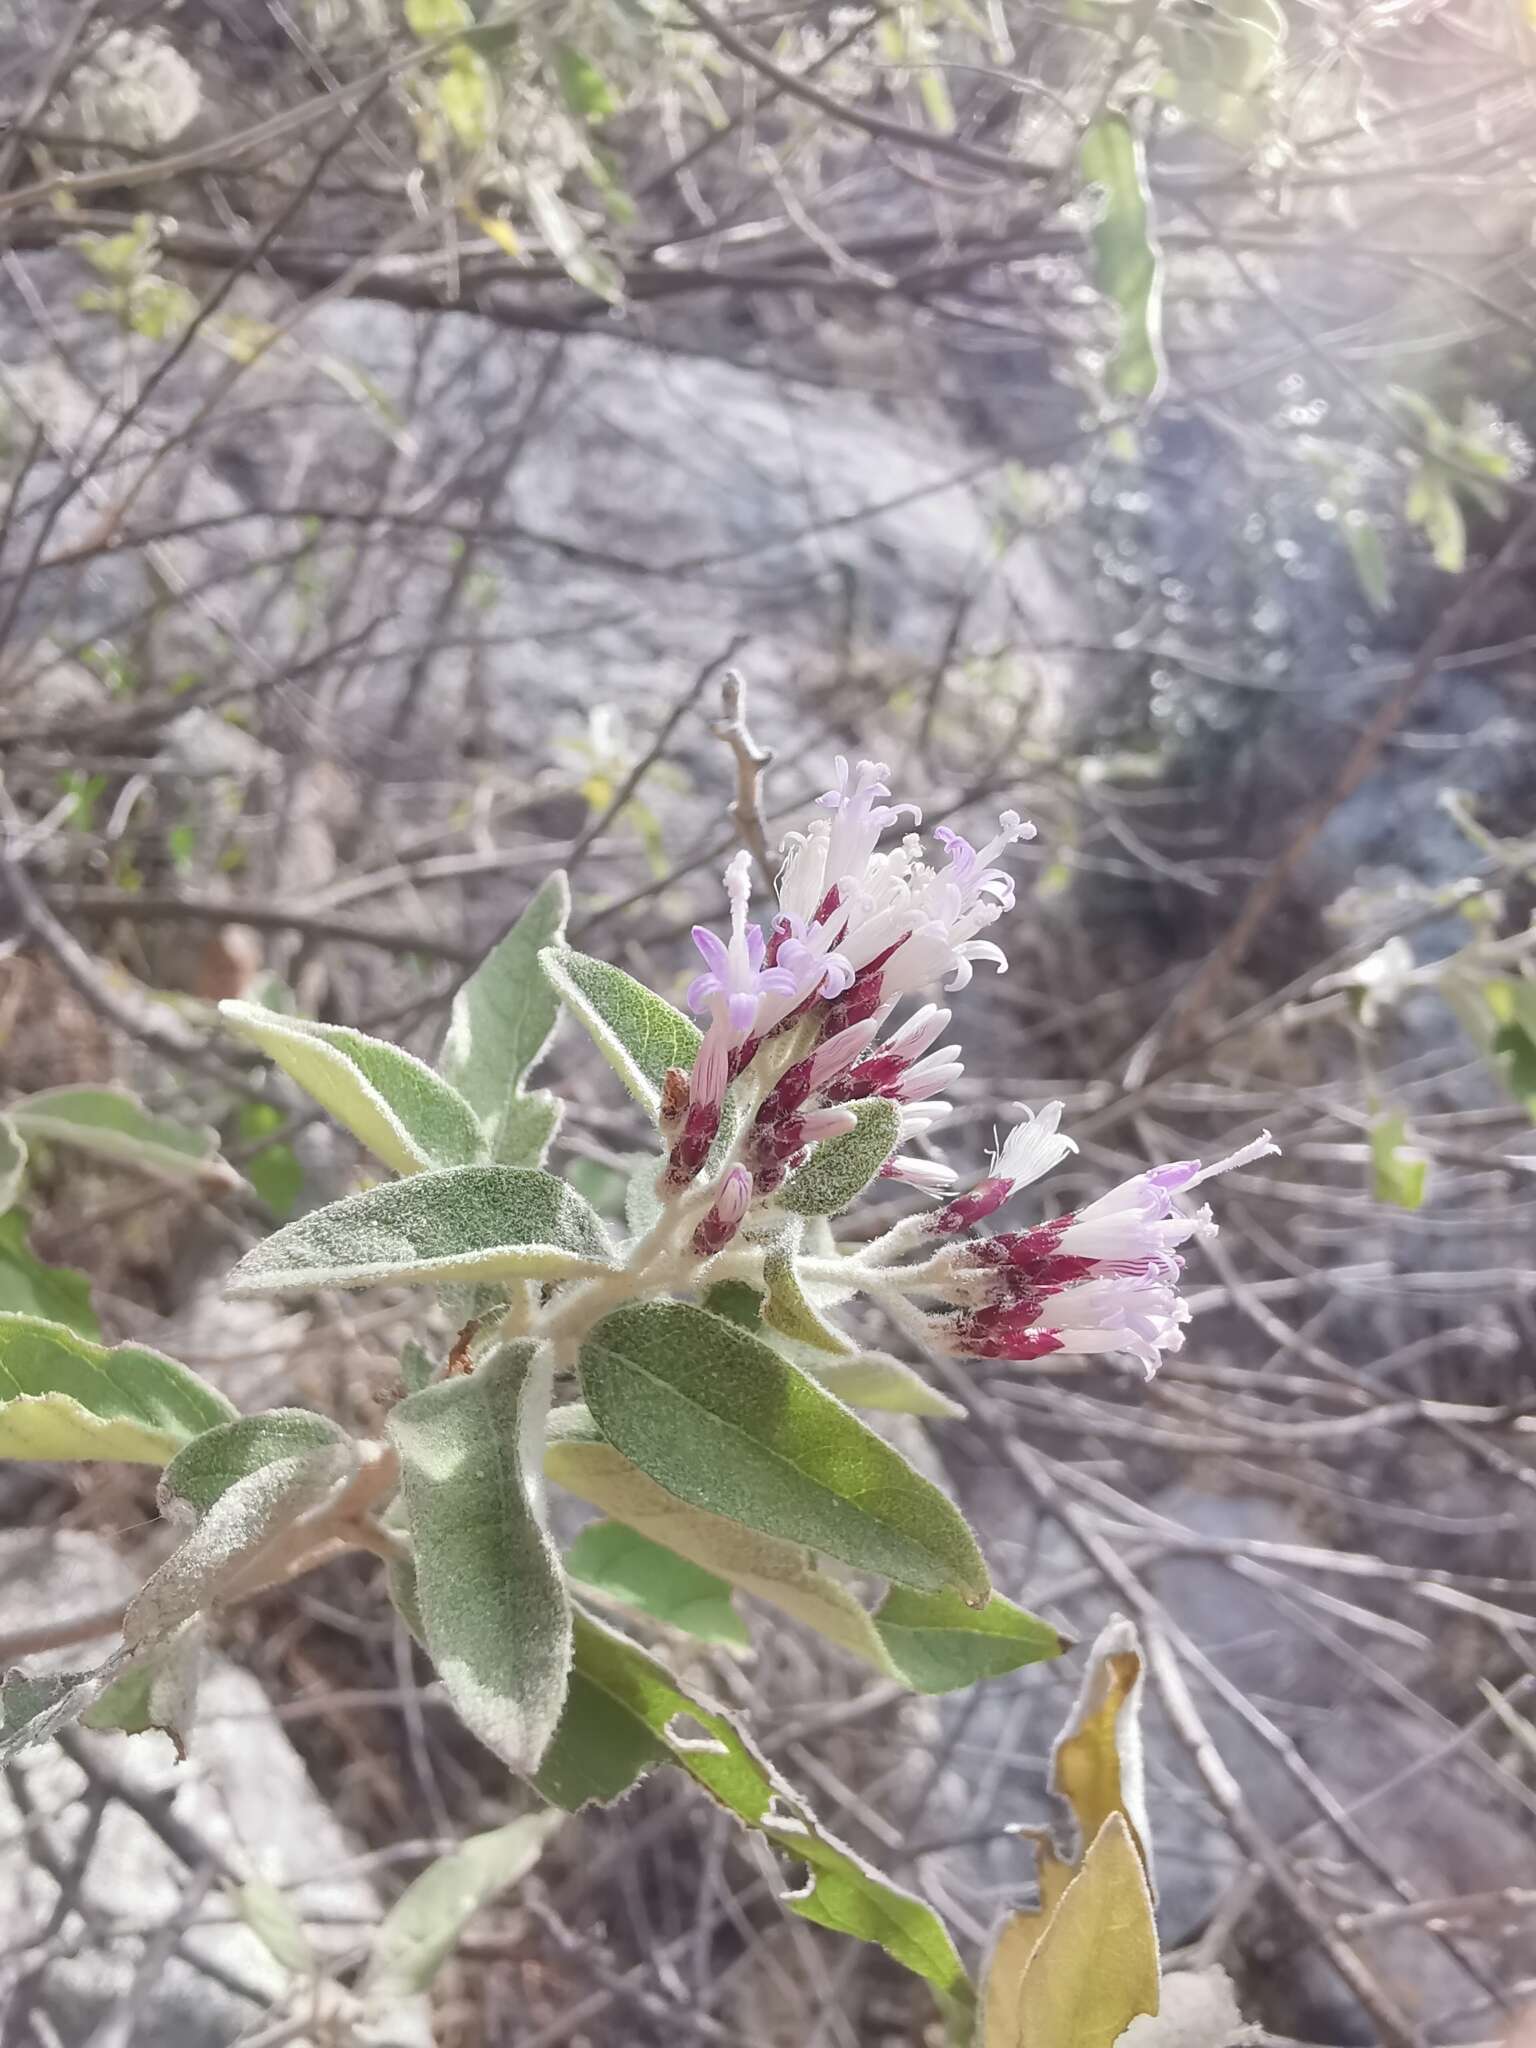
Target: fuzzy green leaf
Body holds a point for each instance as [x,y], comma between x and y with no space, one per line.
[488,1577]
[638,1034]
[56,1294]
[527,1128]
[630,1701]
[13,1162]
[629,1567]
[738,1301]
[112,1123]
[473,1223]
[1127,261]
[788,1310]
[724,1423]
[61,1396]
[505,1014]
[840,1169]
[212,1463]
[419,1931]
[388,1099]
[781,1572]
[939,1644]
[230,1544]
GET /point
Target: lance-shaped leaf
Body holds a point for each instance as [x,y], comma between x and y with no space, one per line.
[932,1643]
[112,1123]
[61,1396]
[13,1162]
[418,1933]
[781,1572]
[474,1223]
[55,1294]
[1127,261]
[939,1644]
[637,1033]
[874,1379]
[527,1128]
[613,1559]
[788,1311]
[272,1917]
[717,1418]
[388,1099]
[616,1688]
[213,1462]
[504,1015]
[840,1169]
[1095,1968]
[488,1579]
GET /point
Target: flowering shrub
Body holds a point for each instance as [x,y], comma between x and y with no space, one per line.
[707,1386]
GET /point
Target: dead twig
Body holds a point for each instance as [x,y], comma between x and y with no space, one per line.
[752,762]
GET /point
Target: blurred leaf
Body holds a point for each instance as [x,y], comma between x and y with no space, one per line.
[582,86]
[466,92]
[1127,262]
[488,1578]
[1398,1172]
[419,1931]
[13,1163]
[723,1422]
[624,1704]
[428,18]
[569,243]
[1431,506]
[1368,552]
[274,1920]
[505,1014]
[112,1123]
[1232,46]
[55,1294]
[274,1172]
[501,232]
[63,1397]
[840,1169]
[873,1379]
[391,1101]
[619,1561]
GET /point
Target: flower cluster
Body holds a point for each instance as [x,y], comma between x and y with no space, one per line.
[793,1020]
